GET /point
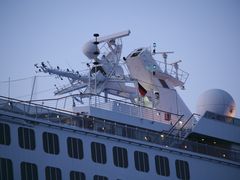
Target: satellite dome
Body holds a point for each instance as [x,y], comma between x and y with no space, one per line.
[217,101]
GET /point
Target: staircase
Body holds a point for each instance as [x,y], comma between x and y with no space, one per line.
[185,129]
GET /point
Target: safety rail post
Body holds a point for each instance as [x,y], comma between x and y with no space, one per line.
[172,128]
[186,122]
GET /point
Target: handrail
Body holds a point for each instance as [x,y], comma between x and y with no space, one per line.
[172,128]
[186,122]
[35,104]
[226,119]
[149,113]
[179,74]
[85,95]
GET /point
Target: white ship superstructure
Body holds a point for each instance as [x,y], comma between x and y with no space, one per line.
[127,122]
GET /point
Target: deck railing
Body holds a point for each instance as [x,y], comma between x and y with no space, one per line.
[170,70]
[133,110]
[62,117]
[222,118]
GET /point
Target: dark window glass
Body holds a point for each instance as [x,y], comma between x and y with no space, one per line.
[88,123]
[26,138]
[167,116]
[53,173]
[75,175]
[162,165]
[164,84]
[98,152]
[29,171]
[4,134]
[6,170]
[141,161]
[120,157]
[182,169]
[97,177]
[135,54]
[50,143]
[75,148]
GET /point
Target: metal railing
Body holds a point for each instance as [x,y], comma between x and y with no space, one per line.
[57,116]
[130,109]
[222,118]
[170,70]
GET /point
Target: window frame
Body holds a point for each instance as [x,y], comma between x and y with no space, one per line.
[26,138]
[6,169]
[5,134]
[98,177]
[75,148]
[182,169]
[120,157]
[77,175]
[49,170]
[162,165]
[30,170]
[141,161]
[51,143]
[98,152]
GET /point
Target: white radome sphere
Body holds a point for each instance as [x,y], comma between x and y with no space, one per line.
[217,101]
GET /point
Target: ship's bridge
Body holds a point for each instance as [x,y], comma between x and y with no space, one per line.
[160,69]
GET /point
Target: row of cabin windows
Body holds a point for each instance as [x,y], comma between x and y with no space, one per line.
[26,138]
[29,171]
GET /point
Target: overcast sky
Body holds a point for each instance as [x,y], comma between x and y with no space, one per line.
[204,34]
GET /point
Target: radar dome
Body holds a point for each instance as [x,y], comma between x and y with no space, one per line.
[217,101]
[91,50]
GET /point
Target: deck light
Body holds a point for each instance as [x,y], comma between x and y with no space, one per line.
[147,138]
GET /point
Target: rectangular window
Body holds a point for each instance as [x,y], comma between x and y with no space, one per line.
[6,170]
[120,157]
[29,171]
[162,165]
[4,134]
[164,84]
[75,175]
[26,138]
[98,152]
[50,143]
[135,54]
[53,173]
[167,116]
[97,177]
[141,161]
[182,169]
[75,147]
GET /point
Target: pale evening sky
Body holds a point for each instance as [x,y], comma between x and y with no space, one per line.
[204,34]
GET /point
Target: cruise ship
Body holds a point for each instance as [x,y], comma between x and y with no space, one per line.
[125,121]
